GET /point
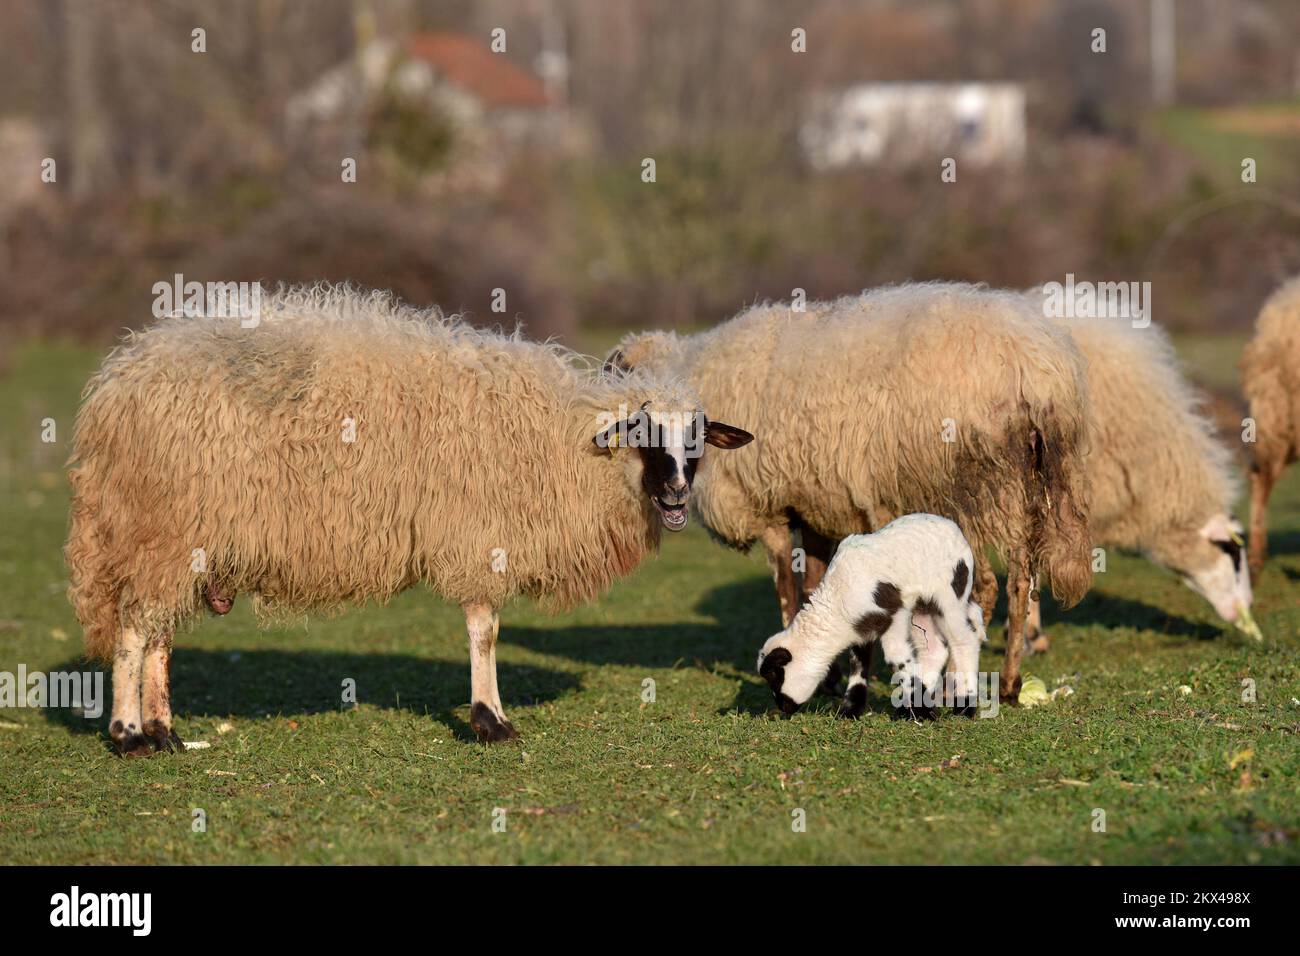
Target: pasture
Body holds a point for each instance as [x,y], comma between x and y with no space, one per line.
[1156,734]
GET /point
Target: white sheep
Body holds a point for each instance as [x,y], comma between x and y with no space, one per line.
[345,449]
[938,397]
[876,583]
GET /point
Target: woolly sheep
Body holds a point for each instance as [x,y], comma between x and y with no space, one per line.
[1160,481]
[943,398]
[210,459]
[1270,377]
[916,564]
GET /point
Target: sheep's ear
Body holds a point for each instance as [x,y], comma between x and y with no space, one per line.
[617,361]
[724,436]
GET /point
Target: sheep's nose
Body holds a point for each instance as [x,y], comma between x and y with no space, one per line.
[678,488]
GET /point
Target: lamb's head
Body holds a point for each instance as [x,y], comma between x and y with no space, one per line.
[662,443]
[1212,563]
[793,670]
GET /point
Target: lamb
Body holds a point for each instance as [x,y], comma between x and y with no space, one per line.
[916,564]
[944,398]
[345,449]
[1270,377]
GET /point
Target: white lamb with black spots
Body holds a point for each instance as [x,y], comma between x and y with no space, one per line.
[907,586]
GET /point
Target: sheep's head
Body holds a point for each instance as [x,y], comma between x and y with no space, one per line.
[794,672]
[663,443]
[1213,564]
[654,350]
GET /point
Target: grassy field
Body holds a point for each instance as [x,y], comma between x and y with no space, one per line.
[1156,734]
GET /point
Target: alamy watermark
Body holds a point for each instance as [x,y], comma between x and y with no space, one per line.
[74,690]
[1098,300]
[209,300]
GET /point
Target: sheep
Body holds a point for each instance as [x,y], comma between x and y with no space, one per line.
[345,449]
[1159,481]
[942,397]
[1270,377]
[916,564]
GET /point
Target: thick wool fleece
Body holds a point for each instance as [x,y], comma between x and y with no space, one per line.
[1157,472]
[210,455]
[945,398]
[1270,377]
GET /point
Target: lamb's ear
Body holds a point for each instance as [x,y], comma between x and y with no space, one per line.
[617,361]
[720,435]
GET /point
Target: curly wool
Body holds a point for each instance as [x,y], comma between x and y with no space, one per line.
[472,467]
[850,401]
[1270,377]
[1157,471]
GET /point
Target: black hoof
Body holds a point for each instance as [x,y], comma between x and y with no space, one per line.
[163,738]
[855,703]
[916,714]
[490,728]
[128,741]
[964,708]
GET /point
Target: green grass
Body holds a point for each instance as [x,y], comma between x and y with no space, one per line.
[704,774]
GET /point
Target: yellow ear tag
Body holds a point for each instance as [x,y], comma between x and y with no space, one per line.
[613,441]
[1237,539]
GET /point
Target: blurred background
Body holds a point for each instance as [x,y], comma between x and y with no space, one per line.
[520,167]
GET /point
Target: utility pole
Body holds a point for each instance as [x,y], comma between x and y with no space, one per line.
[1163,57]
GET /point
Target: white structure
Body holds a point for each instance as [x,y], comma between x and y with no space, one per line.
[980,123]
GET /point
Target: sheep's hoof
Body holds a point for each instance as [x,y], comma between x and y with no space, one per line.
[490,728]
[917,715]
[855,703]
[162,737]
[128,742]
[1009,694]
[1037,643]
[965,707]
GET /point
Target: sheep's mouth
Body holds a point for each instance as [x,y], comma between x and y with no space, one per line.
[672,516]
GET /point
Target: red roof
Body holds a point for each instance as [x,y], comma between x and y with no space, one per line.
[469,64]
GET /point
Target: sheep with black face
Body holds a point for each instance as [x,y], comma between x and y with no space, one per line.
[918,564]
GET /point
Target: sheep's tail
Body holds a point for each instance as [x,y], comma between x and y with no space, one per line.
[93,590]
[1062,545]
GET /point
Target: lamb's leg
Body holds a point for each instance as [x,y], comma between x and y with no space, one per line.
[125,725]
[901,655]
[486,714]
[776,542]
[963,657]
[1018,600]
[156,704]
[1262,477]
[855,694]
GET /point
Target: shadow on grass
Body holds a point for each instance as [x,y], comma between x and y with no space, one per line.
[260,683]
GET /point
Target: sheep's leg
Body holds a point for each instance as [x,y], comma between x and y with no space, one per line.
[486,714]
[818,550]
[1262,477]
[1036,642]
[855,694]
[963,658]
[986,585]
[125,725]
[156,703]
[901,655]
[780,558]
[1018,601]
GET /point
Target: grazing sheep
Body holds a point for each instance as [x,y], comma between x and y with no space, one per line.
[1160,481]
[916,564]
[944,398]
[348,448]
[1270,377]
